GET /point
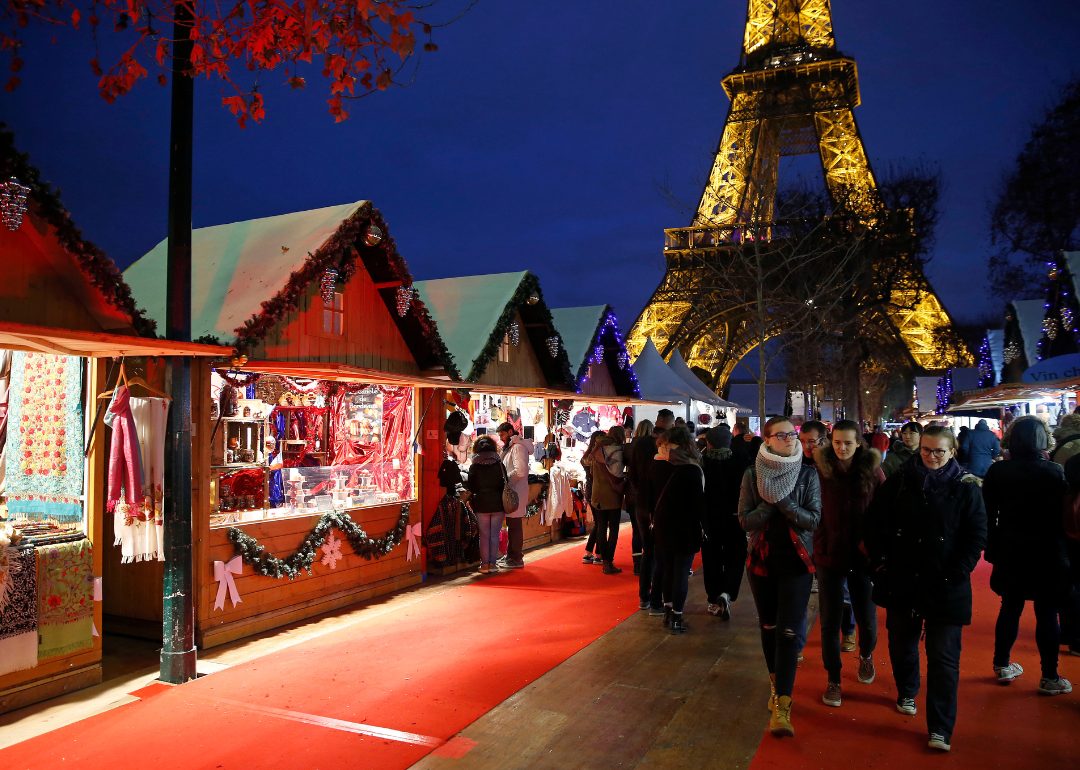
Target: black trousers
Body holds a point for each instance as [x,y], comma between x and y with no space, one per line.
[723,559]
[650,577]
[606,527]
[942,665]
[677,579]
[832,608]
[515,540]
[1047,634]
[781,605]
[635,540]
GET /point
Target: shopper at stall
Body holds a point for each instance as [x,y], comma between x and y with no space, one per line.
[983,448]
[515,458]
[608,477]
[904,449]
[849,474]
[723,551]
[1066,439]
[590,543]
[630,501]
[1026,543]
[642,452]
[925,530]
[678,503]
[780,506]
[486,479]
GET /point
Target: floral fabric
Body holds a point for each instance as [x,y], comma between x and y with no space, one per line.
[18,615]
[45,434]
[65,594]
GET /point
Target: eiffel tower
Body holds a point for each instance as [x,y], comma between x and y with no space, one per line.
[793,93]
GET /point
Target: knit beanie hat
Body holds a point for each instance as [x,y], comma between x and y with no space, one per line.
[719,437]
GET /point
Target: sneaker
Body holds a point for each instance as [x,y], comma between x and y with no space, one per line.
[725,607]
[588,558]
[484,569]
[1006,674]
[643,605]
[1057,686]
[714,609]
[848,643]
[937,741]
[832,695]
[780,724]
[906,706]
[656,611]
[678,625]
[866,670]
[507,564]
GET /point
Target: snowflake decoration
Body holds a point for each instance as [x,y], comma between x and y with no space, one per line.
[331,551]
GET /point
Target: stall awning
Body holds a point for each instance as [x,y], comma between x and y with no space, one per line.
[64,342]
[1007,394]
[343,373]
[510,390]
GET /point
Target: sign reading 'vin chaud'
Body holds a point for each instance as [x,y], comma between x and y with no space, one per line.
[1052,369]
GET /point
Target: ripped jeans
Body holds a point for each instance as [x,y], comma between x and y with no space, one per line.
[781,604]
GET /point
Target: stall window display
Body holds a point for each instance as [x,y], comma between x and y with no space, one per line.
[289,447]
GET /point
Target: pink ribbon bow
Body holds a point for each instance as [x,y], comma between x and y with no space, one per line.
[223,574]
[412,531]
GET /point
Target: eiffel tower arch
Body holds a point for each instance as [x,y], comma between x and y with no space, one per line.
[793,93]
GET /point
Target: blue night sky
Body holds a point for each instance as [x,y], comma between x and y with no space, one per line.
[536,136]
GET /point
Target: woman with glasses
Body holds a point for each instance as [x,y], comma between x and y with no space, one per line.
[925,530]
[780,506]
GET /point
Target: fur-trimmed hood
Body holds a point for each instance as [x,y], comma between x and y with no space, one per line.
[1050,443]
[863,465]
[1069,426]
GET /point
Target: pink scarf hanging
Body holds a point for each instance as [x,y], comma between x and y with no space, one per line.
[124,468]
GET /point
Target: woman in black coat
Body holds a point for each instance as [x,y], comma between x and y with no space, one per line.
[1026,545]
[723,552]
[486,480]
[676,492]
[925,530]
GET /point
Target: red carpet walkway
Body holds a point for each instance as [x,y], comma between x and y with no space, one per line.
[997,726]
[425,672]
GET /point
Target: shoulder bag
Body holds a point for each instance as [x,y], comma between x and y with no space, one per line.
[510,499]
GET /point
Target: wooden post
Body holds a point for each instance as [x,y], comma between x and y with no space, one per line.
[178,624]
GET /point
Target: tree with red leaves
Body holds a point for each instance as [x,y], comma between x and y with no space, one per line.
[368,42]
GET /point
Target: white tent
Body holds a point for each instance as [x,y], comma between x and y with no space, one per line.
[656,380]
[697,388]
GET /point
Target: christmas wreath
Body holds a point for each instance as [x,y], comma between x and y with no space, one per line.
[364,545]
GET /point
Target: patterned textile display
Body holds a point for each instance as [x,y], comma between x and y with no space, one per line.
[18,613]
[65,598]
[44,451]
[139,529]
[451,536]
[124,492]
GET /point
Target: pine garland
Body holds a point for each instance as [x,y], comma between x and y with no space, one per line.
[99,269]
[364,545]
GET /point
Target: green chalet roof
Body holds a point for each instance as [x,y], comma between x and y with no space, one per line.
[585,328]
[474,312]
[247,276]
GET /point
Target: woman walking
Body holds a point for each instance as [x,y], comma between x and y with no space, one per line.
[1026,543]
[780,506]
[925,530]
[723,551]
[486,479]
[678,508]
[639,463]
[590,543]
[608,474]
[849,474]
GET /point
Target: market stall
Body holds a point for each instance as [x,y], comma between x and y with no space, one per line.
[309,474]
[64,312]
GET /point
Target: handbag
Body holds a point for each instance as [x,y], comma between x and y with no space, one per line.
[510,499]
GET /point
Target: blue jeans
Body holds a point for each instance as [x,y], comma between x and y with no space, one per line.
[942,665]
[831,584]
[847,625]
[781,603]
[490,526]
[677,579]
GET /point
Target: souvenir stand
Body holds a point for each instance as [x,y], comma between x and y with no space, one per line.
[511,359]
[64,312]
[308,474]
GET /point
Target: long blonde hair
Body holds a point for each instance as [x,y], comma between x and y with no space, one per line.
[644,428]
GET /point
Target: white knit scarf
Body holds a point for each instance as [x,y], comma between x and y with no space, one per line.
[776,475]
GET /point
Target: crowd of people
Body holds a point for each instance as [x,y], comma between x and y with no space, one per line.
[862,522]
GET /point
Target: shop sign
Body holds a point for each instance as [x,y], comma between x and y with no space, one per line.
[1052,369]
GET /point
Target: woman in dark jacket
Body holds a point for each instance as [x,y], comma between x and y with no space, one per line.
[925,529]
[486,480]
[723,551]
[678,505]
[590,544]
[630,495]
[1026,544]
[780,506]
[638,464]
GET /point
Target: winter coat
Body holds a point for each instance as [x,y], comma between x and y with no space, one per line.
[880,442]
[923,546]
[839,536]
[680,492]
[605,457]
[486,484]
[982,447]
[898,455]
[638,465]
[515,457]
[1067,436]
[1025,535]
[723,479]
[802,508]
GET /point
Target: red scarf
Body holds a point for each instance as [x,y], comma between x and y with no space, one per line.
[124,468]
